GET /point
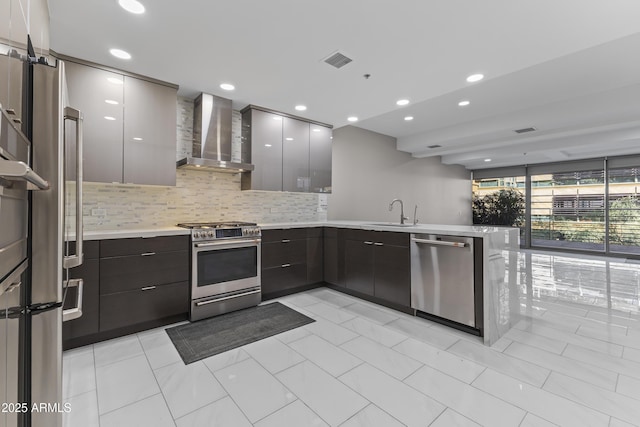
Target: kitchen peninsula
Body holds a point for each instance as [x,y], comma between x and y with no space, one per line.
[496,246]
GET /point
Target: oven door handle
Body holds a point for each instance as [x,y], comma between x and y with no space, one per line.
[251,242]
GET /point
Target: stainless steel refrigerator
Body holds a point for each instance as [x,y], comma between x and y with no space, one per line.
[40,145]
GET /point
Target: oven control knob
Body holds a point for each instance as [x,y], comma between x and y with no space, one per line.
[196,234]
[210,234]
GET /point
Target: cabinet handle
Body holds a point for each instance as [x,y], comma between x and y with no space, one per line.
[148,254]
[368,243]
[379,244]
[285,265]
[285,240]
[148,288]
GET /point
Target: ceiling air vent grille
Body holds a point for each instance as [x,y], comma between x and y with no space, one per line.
[337,60]
[524,130]
[434,146]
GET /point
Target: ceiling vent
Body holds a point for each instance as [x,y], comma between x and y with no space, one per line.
[337,60]
[524,130]
[434,146]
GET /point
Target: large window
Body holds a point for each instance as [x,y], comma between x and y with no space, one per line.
[568,210]
[624,210]
[589,205]
[488,188]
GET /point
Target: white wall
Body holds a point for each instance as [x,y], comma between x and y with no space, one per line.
[369,172]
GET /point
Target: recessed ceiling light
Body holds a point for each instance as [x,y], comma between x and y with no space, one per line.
[227,86]
[119,53]
[487,160]
[109,118]
[316,130]
[408,118]
[475,78]
[267,145]
[111,101]
[463,103]
[352,119]
[277,118]
[289,139]
[137,138]
[114,80]
[132,6]
[402,102]
[301,107]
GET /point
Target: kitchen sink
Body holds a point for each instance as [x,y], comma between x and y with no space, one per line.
[391,224]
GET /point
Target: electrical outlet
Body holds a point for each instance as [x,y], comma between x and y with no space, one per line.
[98,212]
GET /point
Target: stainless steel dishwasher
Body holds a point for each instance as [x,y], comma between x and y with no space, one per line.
[443,279]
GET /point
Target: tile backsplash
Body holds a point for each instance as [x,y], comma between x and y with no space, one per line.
[197,196]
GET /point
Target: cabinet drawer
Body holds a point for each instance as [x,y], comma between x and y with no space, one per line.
[330,232]
[274,254]
[91,248]
[129,273]
[314,231]
[129,308]
[284,234]
[384,237]
[137,246]
[279,278]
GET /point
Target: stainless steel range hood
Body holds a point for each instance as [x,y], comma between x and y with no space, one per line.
[212,144]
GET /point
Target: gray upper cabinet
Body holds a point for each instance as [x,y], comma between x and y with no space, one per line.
[129,126]
[320,159]
[295,155]
[288,153]
[264,131]
[149,133]
[99,95]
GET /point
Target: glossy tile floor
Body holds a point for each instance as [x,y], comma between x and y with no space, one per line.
[572,361]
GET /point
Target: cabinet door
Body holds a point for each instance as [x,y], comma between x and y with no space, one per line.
[359,266]
[392,273]
[320,159]
[149,133]
[129,308]
[315,263]
[295,155]
[266,151]
[99,95]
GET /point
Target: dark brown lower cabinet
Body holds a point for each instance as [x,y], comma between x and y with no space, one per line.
[359,265]
[392,274]
[378,264]
[291,260]
[129,285]
[123,309]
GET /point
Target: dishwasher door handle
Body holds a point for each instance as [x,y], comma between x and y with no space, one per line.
[440,243]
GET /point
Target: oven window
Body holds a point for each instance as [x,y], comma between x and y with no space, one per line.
[225,265]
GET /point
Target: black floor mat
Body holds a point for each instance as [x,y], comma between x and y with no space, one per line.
[199,340]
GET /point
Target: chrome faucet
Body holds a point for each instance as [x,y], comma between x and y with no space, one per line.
[402,217]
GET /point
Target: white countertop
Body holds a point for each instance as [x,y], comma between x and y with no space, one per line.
[450,230]
[133,232]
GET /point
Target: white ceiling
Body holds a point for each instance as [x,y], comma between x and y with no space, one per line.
[569,68]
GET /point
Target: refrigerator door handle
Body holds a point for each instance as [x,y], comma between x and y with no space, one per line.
[75,260]
[12,170]
[75,312]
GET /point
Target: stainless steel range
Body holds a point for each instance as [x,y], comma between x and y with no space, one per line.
[225,267]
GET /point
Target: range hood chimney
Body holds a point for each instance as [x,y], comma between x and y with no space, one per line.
[212,145]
